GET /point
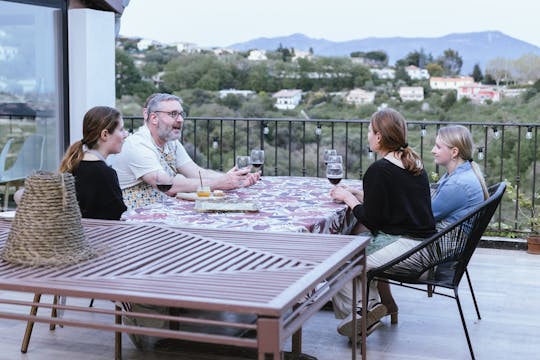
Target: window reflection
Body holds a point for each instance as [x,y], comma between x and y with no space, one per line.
[30,78]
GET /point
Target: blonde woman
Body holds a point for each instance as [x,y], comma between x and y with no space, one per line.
[463,186]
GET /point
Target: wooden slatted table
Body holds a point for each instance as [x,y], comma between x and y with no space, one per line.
[258,275]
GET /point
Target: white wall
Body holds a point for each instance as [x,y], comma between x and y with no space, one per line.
[91,64]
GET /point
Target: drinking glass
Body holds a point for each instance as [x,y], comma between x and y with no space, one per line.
[334,172]
[327,154]
[335,159]
[243,162]
[257,158]
[164,184]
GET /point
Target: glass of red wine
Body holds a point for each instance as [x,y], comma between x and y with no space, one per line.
[164,184]
[327,154]
[257,158]
[334,172]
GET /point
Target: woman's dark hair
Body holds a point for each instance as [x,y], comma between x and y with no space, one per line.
[393,129]
[95,120]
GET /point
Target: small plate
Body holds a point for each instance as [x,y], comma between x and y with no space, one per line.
[7,214]
[192,196]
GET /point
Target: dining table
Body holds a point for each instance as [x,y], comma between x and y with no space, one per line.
[282,203]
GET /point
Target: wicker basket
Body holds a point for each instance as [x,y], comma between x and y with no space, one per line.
[47,227]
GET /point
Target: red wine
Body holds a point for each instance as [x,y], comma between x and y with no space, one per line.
[256,165]
[164,187]
[334,181]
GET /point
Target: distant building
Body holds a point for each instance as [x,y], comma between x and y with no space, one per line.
[223,51]
[186,47]
[366,61]
[415,73]
[298,54]
[479,93]
[257,55]
[287,99]
[144,44]
[510,93]
[385,73]
[246,93]
[411,93]
[360,97]
[446,83]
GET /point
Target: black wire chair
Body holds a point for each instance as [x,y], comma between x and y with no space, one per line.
[442,259]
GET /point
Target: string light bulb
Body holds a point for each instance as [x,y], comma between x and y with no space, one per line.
[423,131]
[370,154]
[480,153]
[266,130]
[496,133]
[318,130]
[529,133]
[215,143]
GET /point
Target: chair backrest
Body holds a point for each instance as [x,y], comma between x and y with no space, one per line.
[443,258]
[29,159]
[3,156]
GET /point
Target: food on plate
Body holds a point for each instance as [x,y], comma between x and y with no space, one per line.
[219,193]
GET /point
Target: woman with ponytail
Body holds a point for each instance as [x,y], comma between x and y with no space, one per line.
[96,184]
[463,186]
[395,206]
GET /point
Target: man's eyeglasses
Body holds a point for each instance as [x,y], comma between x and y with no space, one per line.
[174,114]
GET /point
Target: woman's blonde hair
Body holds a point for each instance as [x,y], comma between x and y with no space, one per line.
[95,120]
[393,129]
[460,137]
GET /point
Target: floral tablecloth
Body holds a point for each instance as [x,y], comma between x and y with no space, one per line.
[299,204]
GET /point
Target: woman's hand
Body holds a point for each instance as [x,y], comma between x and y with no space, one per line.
[344,194]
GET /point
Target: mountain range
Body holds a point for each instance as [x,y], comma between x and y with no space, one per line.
[474,48]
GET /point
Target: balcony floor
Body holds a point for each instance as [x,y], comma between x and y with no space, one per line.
[506,286]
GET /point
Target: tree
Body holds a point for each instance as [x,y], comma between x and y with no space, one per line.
[500,69]
[127,75]
[434,69]
[477,73]
[451,62]
[527,68]
[416,58]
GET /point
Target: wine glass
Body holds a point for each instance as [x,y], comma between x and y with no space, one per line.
[164,184]
[257,158]
[335,159]
[327,154]
[243,162]
[334,172]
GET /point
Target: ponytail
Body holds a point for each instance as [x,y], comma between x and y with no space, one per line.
[73,156]
[411,161]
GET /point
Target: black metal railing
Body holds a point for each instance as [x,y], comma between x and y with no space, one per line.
[505,151]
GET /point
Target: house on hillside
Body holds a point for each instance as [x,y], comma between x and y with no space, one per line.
[287,99]
[411,93]
[479,93]
[448,83]
[186,47]
[245,93]
[257,55]
[299,54]
[384,73]
[144,44]
[360,97]
[415,73]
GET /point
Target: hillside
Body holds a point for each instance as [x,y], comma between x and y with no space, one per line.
[477,47]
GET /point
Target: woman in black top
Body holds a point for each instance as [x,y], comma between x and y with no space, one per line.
[96,184]
[395,206]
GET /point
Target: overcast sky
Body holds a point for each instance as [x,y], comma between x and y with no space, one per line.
[224,22]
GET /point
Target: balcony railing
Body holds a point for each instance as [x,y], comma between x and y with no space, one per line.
[295,146]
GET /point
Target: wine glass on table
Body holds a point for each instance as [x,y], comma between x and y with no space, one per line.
[327,154]
[334,172]
[257,158]
[243,162]
[334,159]
[164,184]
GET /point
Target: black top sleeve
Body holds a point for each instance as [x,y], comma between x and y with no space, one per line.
[98,191]
[396,202]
